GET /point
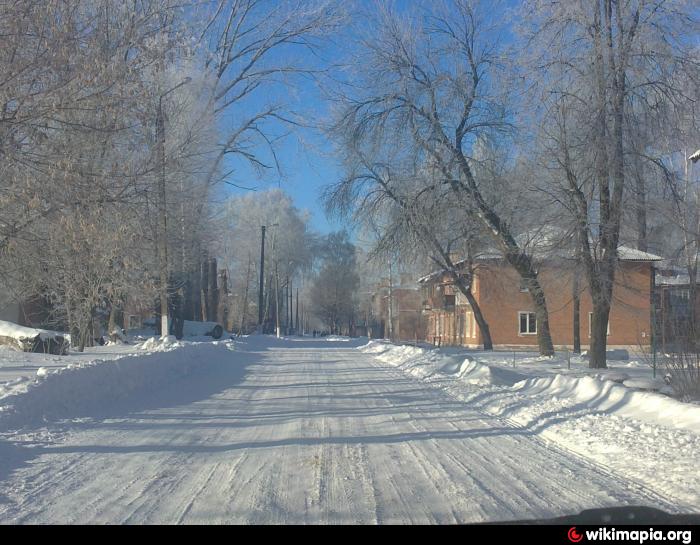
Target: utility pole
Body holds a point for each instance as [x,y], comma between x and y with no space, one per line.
[277,301]
[391,303]
[262,282]
[162,213]
[162,221]
[297,314]
[290,329]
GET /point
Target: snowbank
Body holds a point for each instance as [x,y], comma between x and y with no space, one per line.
[431,362]
[28,339]
[647,436]
[9,329]
[88,386]
[600,395]
[162,344]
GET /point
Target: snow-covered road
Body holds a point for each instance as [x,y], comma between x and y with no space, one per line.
[300,432]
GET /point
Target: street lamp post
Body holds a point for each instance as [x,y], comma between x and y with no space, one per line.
[162,213]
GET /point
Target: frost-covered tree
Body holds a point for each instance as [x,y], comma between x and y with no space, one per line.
[592,62]
[334,289]
[289,249]
[427,90]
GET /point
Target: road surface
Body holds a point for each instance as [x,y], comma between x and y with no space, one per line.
[301,432]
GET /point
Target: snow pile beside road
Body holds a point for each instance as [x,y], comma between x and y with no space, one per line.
[86,387]
[18,332]
[647,436]
[600,395]
[431,362]
[162,344]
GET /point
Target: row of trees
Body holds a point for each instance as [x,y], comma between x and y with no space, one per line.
[456,139]
[118,122]
[310,280]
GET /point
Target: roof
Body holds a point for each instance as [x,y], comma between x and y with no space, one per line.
[624,253]
[680,280]
[674,276]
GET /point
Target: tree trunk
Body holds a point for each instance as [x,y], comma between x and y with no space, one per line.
[692,305]
[544,337]
[223,307]
[474,304]
[241,331]
[204,287]
[599,333]
[213,292]
[513,254]
[577,311]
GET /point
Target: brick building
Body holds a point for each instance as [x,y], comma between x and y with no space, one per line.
[406,314]
[509,311]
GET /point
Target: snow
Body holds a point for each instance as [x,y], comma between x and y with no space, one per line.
[647,436]
[544,247]
[162,344]
[333,338]
[653,385]
[9,329]
[84,388]
[625,253]
[198,329]
[317,430]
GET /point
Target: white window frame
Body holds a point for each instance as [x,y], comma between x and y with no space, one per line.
[528,314]
[682,294]
[590,325]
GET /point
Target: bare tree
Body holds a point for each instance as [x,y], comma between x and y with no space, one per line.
[594,59]
[412,213]
[252,48]
[290,246]
[335,285]
[427,89]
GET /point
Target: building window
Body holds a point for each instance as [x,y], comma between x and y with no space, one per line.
[527,323]
[523,286]
[590,324]
[134,321]
[449,301]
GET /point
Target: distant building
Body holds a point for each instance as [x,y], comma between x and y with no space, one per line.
[405,314]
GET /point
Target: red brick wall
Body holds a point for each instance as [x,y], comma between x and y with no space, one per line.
[500,298]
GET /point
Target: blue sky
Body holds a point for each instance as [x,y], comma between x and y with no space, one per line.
[307,166]
[305,156]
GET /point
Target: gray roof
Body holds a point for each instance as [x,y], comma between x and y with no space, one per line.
[624,253]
